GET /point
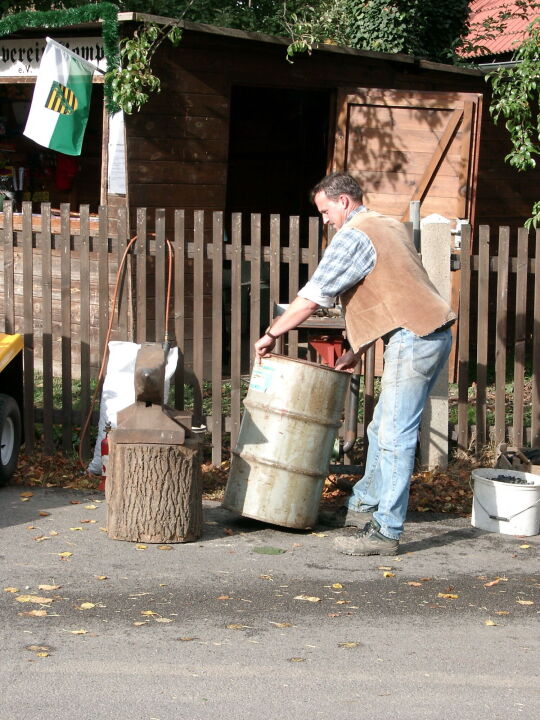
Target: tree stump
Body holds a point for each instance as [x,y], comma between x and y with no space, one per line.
[154,492]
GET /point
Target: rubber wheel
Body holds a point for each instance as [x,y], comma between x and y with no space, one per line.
[10,437]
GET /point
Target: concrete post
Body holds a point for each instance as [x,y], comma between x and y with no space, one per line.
[436,240]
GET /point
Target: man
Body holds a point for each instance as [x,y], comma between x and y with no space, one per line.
[385,292]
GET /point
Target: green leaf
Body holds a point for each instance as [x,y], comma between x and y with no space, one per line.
[268,550]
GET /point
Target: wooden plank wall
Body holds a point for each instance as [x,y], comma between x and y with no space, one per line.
[57,290]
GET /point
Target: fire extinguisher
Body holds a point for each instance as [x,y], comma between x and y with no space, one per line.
[104,457]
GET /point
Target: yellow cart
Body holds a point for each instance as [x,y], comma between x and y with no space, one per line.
[11,401]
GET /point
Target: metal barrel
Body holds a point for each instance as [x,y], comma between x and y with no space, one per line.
[293,410]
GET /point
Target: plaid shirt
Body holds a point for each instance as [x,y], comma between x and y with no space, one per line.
[348,259]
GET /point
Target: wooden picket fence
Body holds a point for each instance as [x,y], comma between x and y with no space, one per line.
[226,277]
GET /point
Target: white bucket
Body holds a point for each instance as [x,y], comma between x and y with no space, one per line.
[505,507]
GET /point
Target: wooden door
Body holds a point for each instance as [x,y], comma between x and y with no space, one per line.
[404,146]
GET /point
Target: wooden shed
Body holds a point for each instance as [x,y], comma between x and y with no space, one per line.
[238,128]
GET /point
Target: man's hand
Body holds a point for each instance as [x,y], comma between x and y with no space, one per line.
[263,346]
[348,361]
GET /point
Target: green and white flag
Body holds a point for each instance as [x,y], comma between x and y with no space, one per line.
[61,100]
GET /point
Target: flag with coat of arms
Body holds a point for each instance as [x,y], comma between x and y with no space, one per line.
[61,100]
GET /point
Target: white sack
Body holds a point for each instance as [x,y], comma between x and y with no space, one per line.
[119,389]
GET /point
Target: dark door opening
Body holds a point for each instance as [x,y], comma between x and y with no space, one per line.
[278,149]
[31,172]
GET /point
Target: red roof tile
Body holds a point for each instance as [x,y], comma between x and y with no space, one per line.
[503,42]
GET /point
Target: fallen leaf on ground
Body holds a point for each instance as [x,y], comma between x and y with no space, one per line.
[163,620]
[525,602]
[33,613]
[26,494]
[524,547]
[187,639]
[164,547]
[337,586]
[86,606]
[65,554]
[138,623]
[42,513]
[37,648]
[236,626]
[296,659]
[78,632]
[75,528]
[266,577]
[412,583]
[309,598]
[11,589]
[490,623]
[389,574]
[385,567]
[448,596]
[495,582]
[102,577]
[223,597]
[348,644]
[90,507]
[148,612]
[502,612]
[281,624]
[33,599]
[319,534]
[141,547]
[49,587]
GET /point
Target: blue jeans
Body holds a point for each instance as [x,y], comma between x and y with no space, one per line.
[411,366]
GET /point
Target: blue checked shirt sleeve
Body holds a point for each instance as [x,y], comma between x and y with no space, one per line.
[347,260]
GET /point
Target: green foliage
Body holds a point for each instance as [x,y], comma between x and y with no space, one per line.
[425,28]
[516,98]
[132,82]
[332,26]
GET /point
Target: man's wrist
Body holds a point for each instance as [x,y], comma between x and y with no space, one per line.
[270,335]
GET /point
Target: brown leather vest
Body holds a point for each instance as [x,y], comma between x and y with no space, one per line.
[397,293]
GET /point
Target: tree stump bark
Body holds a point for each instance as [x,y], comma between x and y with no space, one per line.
[154,492]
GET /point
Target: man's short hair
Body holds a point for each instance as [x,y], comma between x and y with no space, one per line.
[337,184]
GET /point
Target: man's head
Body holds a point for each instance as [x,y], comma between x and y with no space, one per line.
[336,196]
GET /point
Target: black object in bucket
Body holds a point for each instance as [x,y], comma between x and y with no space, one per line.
[512,480]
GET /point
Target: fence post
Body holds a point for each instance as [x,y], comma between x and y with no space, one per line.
[434,431]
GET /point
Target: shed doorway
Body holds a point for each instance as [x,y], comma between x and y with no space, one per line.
[278,149]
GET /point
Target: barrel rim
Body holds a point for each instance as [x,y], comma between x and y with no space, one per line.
[301,361]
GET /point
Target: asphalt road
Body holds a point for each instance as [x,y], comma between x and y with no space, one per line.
[221,628]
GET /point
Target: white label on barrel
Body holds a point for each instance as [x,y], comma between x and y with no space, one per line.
[261,378]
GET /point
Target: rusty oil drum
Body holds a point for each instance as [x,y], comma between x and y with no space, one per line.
[293,410]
